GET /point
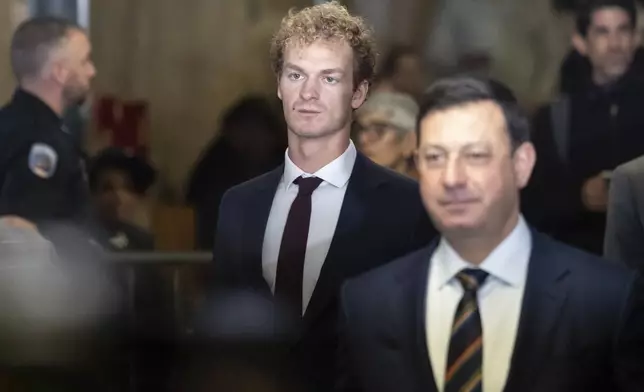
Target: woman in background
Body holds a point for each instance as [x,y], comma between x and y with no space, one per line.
[249,144]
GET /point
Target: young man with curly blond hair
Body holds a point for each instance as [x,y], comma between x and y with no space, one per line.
[329,213]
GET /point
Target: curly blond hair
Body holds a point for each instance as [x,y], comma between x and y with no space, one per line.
[328,21]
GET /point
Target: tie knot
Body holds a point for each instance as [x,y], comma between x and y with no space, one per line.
[471,279]
[307,185]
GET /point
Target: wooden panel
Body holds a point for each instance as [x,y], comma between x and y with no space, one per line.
[12,12]
[189,60]
[173,228]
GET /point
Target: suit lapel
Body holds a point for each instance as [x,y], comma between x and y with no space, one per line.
[410,327]
[544,297]
[352,214]
[255,219]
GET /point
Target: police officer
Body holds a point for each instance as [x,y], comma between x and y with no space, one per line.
[42,173]
[43,180]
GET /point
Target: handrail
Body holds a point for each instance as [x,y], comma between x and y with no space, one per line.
[196,258]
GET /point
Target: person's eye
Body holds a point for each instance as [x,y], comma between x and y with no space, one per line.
[294,76]
[330,80]
[477,156]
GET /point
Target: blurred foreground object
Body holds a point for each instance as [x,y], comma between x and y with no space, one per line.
[240,342]
[17,222]
[54,315]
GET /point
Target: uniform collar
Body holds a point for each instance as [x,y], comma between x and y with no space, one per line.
[36,106]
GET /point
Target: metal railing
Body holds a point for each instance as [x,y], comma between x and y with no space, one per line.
[177,258]
[131,262]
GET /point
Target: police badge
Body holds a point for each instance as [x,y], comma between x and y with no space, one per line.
[42,160]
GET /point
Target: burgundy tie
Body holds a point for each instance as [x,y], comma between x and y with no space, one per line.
[290,262]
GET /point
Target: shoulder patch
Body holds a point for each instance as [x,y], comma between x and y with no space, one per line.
[42,160]
[120,240]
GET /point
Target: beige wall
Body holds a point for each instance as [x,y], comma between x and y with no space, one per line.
[397,21]
[12,12]
[5,34]
[189,60]
[525,39]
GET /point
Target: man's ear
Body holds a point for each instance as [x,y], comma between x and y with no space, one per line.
[57,71]
[579,43]
[524,159]
[360,94]
[279,91]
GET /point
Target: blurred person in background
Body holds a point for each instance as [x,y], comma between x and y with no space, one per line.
[401,71]
[118,182]
[385,132]
[583,136]
[249,143]
[43,176]
[43,183]
[42,170]
[624,240]
[55,317]
[576,71]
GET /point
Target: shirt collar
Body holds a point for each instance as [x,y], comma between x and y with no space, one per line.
[508,262]
[336,173]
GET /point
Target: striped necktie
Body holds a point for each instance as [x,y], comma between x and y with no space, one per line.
[465,358]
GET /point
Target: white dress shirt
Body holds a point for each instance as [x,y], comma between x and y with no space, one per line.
[499,300]
[326,203]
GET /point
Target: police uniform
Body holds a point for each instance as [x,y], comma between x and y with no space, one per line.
[42,169]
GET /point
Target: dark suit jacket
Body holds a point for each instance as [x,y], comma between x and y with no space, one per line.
[624,239]
[581,326]
[382,218]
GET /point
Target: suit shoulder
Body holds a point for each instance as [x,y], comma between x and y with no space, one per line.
[250,186]
[602,272]
[633,167]
[394,177]
[399,185]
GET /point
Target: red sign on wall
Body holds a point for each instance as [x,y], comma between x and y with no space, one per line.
[126,121]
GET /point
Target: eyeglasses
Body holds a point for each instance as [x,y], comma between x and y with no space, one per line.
[378,127]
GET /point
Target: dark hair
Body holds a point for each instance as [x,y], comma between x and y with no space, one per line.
[252,109]
[33,42]
[448,93]
[140,172]
[586,12]
[390,61]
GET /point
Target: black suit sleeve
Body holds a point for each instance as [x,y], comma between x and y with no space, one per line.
[624,231]
[228,237]
[628,364]
[346,378]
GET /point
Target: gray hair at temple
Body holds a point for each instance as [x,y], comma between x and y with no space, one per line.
[400,110]
[34,41]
